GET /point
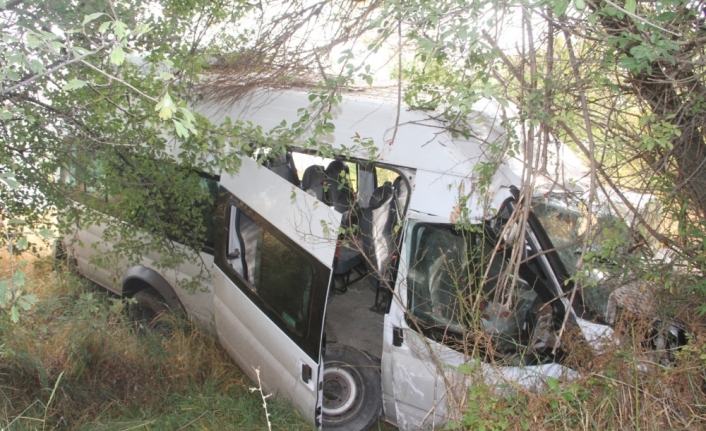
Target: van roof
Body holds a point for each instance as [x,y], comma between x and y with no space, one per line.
[421,142]
[447,166]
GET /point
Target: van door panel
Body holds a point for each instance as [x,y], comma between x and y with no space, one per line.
[415,388]
[275,330]
[248,326]
[301,217]
[89,243]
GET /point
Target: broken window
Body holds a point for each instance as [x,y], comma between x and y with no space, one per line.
[460,284]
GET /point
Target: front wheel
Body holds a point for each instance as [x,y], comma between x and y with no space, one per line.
[352,389]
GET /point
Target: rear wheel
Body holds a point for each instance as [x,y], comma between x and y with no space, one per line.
[352,389]
[62,258]
[147,309]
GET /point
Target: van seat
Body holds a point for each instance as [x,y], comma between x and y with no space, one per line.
[376,226]
[401,193]
[283,165]
[313,182]
[340,194]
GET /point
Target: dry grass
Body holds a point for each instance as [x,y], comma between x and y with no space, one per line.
[77,348]
[626,387]
[77,345]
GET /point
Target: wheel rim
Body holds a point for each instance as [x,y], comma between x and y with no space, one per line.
[340,390]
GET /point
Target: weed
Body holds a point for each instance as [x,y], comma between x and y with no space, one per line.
[75,362]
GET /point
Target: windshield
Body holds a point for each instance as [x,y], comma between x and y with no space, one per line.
[565,220]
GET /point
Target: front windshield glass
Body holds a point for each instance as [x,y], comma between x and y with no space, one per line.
[565,220]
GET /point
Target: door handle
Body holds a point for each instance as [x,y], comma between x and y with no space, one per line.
[397,336]
[306,373]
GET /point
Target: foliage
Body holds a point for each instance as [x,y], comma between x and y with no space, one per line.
[76,362]
[105,95]
[99,95]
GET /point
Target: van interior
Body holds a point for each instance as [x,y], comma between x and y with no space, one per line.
[373,200]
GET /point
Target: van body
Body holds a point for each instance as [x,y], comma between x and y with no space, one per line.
[324,269]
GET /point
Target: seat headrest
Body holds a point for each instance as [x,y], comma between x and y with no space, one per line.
[334,169]
[381,195]
[276,160]
[313,176]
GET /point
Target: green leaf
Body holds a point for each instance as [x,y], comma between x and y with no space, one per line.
[559,7]
[104,27]
[579,4]
[36,66]
[119,28]
[18,278]
[166,107]
[553,384]
[57,46]
[631,5]
[465,369]
[22,243]
[46,233]
[14,314]
[34,41]
[16,221]
[92,17]
[188,115]
[26,301]
[11,183]
[117,55]
[141,29]
[3,292]
[74,84]
[666,16]
[180,129]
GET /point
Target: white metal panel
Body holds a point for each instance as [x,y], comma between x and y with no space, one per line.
[244,329]
[256,343]
[91,243]
[420,143]
[305,220]
[439,195]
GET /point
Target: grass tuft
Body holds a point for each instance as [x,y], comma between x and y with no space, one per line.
[77,348]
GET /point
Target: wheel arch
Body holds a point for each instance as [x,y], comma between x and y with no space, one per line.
[140,277]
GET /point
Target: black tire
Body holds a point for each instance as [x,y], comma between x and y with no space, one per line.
[146,311]
[352,389]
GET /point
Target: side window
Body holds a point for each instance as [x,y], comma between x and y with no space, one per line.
[385,175]
[277,273]
[81,180]
[333,182]
[210,186]
[180,218]
[459,284]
